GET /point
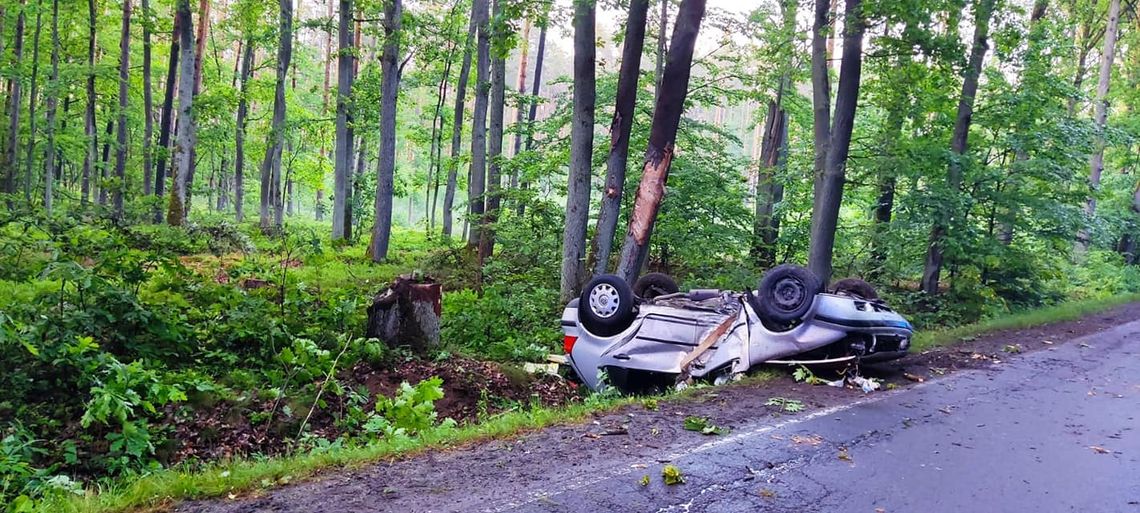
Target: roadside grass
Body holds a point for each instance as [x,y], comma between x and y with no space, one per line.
[1029,318]
[162,489]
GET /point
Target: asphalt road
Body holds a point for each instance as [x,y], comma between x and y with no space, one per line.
[1052,431]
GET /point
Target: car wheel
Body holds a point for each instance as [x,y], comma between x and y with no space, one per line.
[785,295]
[606,307]
[855,287]
[655,284]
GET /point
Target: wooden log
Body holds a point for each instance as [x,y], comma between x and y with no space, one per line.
[407,313]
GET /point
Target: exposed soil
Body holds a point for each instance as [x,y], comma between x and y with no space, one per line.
[220,429]
[639,433]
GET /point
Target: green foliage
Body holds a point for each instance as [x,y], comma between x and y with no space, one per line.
[704,426]
[410,412]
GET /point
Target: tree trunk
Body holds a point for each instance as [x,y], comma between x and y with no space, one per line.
[166,117]
[457,125]
[52,103]
[1096,161]
[524,56]
[124,89]
[105,160]
[185,138]
[11,150]
[662,135]
[581,152]
[495,146]
[199,57]
[769,192]
[386,161]
[239,135]
[406,314]
[477,182]
[30,156]
[342,172]
[533,101]
[932,269]
[271,166]
[820,91]
[435,158]
[148,101]
[620,127]
[662,26]
[829,186]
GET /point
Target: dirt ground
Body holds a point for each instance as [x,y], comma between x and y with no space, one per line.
[638,432]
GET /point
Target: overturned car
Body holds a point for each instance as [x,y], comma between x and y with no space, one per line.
[653,335]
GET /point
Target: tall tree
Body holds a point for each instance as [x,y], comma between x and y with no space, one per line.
[662,135]
[520,115]
[52,102]
[769,191]
[124,90]
[185,138]
[239,135]
[581,151]
[271,166]
[983,11]
[495,142]
[457,123]
[386,161]
[1096,161]
[148,100]
[829,184]
[199,58]
[11,148]
[89,156]
[532,102]
[476,182]
[165,119]
[29,158]
[342,164]
[620,127]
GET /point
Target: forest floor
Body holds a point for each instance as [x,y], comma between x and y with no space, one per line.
[513,472]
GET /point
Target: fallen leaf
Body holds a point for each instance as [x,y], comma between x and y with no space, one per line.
[1082,344]
[767,494]
[880,510]
[672,475]
[843,455]
[639,465]
[1099,450]
[1047,342]
[645,480]
[914,377]
[812,440]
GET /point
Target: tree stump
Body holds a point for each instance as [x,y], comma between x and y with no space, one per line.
[407,313]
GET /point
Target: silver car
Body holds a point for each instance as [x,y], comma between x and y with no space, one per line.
[651,335]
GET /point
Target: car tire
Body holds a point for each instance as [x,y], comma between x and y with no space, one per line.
[785,295]
[855,287]
[606,307]
[655,284]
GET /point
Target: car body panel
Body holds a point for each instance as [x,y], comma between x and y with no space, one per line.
[664,332]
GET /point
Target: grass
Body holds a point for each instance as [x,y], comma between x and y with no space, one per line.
[1029,318]
[163,488]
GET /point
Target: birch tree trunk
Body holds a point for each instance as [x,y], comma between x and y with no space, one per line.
[581,152]
[533,102]
[1096,161]
[185,138]
[662,135]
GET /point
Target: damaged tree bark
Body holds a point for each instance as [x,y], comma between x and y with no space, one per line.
[406,314]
